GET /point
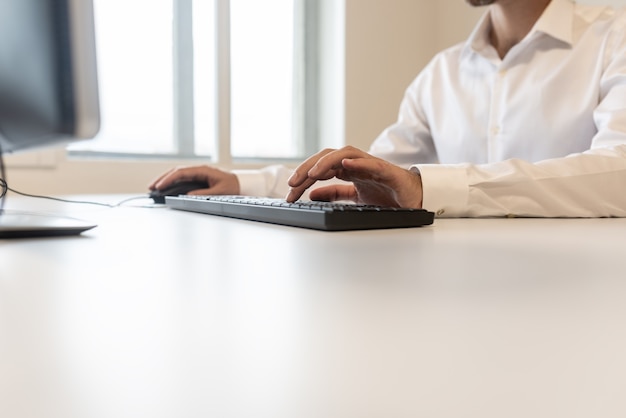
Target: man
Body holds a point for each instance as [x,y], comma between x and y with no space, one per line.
[527,118]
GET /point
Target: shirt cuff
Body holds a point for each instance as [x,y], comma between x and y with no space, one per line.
[251,182]
[445,188]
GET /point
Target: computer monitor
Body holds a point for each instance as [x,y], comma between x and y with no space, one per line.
[48,83]
[48,78]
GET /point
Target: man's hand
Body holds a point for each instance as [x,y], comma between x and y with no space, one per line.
[374,181]
[220,182]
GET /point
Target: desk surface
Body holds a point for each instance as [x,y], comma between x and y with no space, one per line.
[158,313]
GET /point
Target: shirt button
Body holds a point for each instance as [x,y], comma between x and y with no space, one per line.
[440,212]
[495,130]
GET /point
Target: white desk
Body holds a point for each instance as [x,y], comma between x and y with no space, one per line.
[158,313]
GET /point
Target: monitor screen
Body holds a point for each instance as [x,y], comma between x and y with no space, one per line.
[48,82]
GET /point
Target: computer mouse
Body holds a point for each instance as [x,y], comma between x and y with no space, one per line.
[181,187]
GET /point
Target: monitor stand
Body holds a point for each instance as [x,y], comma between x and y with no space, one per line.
[19,224]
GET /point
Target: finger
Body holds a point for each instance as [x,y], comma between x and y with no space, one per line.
[366,169]
[300,179]
[203,192]
[167,178]
[323,166]
[215,188]
[296,192]
[334,193]
[379,171]
[333,161]
[300,174]
[200,173]
[154,182]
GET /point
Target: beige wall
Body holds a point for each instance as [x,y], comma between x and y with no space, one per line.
[614,3]
[387,42]
[455,21]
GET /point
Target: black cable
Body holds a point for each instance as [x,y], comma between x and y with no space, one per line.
[81,202]
[4,187]
[59,199]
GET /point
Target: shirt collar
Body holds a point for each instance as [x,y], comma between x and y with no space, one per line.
[556,21]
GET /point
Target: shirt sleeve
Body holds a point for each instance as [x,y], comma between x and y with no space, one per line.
[408,141]
[589,184]
[270,181]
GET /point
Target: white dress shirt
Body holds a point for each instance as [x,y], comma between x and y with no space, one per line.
[541,132]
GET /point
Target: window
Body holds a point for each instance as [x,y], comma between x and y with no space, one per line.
[225,80]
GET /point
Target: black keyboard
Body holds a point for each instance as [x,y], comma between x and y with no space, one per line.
[324,216]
